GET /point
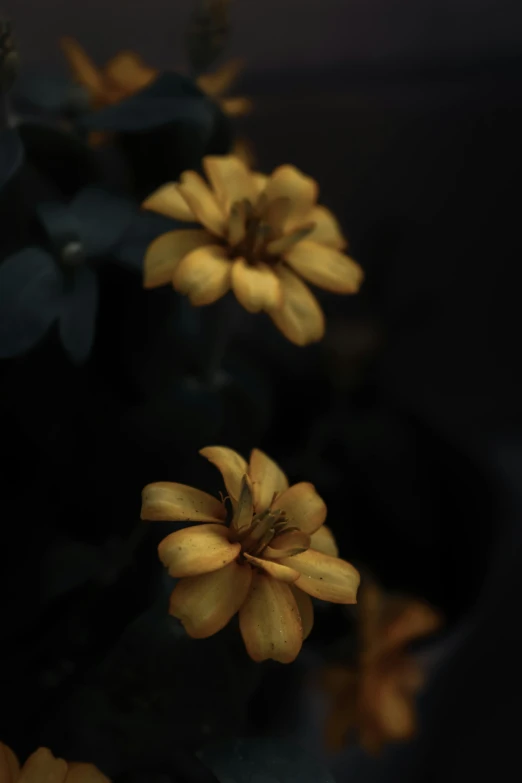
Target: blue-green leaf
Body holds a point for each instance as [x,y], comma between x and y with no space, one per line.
[31,291]
[78,314]
[103,219]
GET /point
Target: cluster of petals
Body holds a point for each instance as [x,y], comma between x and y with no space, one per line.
[260,236]
[265,564]
[43,767]
[376,699]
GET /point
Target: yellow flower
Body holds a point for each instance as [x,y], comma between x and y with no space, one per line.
[274,554]
[43,767]
[260,235]
[124,75]
[378,697]
[218,83]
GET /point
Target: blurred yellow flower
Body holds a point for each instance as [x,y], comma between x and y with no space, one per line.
[260,235]
[43,767]
[274,554]
[377,698]
[126,74]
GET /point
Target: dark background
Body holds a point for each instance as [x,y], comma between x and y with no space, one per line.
[409,114]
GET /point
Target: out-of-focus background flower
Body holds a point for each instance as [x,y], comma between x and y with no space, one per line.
[407,417]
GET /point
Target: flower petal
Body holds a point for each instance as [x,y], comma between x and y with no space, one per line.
[197,550]
[287,544]
[306,610]
[83,69]
[43,766]
[85,773]
[260,181]
[129,72]
[269,621]
[245,506]
[300,317]
[267,479]
[164,254]
[284,244]
[323,540]
[202,202]
[303,507]
[230,179]
[256,287]
[168,201]
[230,464]
[9,766]
[325,267]
[281,572]
[327,230]
[203,275]
[325,577]
[288,182]
[220,81]
[237,106]
[206,603]
[167,501]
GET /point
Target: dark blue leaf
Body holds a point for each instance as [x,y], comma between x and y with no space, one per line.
[60,223]
[11,154]
[103,219]
[31,291]
[78,314]
[263,761]
[143,230]
[50,92]
[161,103]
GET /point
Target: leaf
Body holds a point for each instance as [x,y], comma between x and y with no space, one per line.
[263,761]
[51,93]
[11,154]
[61,225]
[143,229]
[167,100]
[78,314]
[31,290]
[103,219]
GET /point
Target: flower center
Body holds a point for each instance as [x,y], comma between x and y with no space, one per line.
[263,528]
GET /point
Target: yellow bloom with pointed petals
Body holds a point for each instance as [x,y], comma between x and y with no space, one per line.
[377,698]
[43,767]
[260,236]
[265,564]
[217,85]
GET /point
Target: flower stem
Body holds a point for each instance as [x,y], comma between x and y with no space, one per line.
[220,326]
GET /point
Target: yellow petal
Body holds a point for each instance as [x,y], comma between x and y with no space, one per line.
[85,773]
[168,201]
[305,608]
[303,507]
[197,550]
[300,317]
[325,267]
[256,287]
[230,464]
[237,223]
[129,72]
[236,107]
[43,766]
[284,244]
[166,501]
[203,275]
[9,766]
[202,202]
[267,479]
[220,81]
[325,577]
[287,544]
[245,506]
[206,603]
[323,540]
[230,179]
[244,150]
[288,182]
[276,570]
[327,230]
[260,181]
[83,69]
[270,622]
[164,254]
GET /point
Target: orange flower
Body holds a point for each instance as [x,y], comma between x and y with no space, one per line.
[43,767]
[378,697]
[260,235]
[274,554]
